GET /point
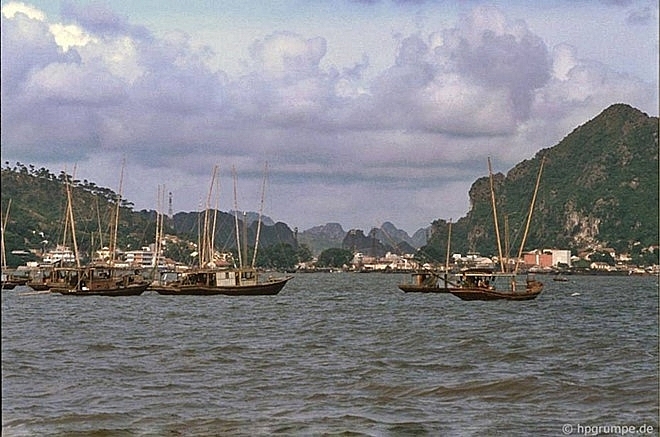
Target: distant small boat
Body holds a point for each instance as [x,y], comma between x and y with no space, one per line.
[575,294]
[560,279]
[425,281]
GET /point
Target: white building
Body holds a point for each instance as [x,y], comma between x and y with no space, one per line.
[559,256]
[61,253]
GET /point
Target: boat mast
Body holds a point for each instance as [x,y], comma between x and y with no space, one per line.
[447,258]
[98,219]
[245,234]
[238,238]
[497,228]
[206,256]
[529,217]
[70,218]
[113,242]
[2,227]
[215,217]
[448,246]
[507,250]
[261,210]
[160,200]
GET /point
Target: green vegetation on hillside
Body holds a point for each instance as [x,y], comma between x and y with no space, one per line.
[599,188]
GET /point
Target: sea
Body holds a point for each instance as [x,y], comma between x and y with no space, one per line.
[335,354]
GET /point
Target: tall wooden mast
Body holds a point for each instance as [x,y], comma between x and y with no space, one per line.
[497,227]
[529,217]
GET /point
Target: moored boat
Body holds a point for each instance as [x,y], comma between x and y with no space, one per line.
[426,281]
[231,282]
[209,278]
[484,284]
[97,281]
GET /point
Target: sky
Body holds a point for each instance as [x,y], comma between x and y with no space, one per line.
[352,111]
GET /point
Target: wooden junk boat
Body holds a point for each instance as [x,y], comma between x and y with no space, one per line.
[97,281]
[484,284]
[209,279]
[426,281]
[231,282]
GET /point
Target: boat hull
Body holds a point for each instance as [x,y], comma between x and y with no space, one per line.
[269,288]
[532,291]
[131,290]
[411,288]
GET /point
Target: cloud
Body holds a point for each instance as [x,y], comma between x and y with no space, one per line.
[95,87]
[641,16]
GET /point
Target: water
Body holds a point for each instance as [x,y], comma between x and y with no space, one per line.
[333,354]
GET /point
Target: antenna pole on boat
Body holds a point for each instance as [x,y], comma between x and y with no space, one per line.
[261,210]
[529,217]
[238,238]
[497,228]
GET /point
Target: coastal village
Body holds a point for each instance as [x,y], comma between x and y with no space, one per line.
[539,261]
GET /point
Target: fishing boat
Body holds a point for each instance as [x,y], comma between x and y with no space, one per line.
[485,284]
[425,281]
[96,280]
[210,279]
[230,282]
[7,283]
[560,278]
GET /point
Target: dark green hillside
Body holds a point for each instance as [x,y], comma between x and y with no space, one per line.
[37,211]
[38,203]
[599,188]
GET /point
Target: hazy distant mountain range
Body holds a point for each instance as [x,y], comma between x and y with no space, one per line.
[599,188]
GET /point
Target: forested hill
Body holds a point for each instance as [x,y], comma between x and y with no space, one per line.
[37,210]
[599,189]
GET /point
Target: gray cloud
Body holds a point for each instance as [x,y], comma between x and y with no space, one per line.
[340,145]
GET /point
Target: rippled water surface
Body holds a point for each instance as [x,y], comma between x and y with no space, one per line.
[332,354]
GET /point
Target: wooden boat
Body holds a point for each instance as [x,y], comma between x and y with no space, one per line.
[484,284]
[9,281]
[97,281]
[230,282]
[426,281]
[40,277]
[212,280]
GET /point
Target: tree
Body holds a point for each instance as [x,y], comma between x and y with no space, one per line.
[334,257]
[304,253]
[277,256]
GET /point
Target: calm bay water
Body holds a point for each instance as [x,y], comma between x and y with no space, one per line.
[333,354]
